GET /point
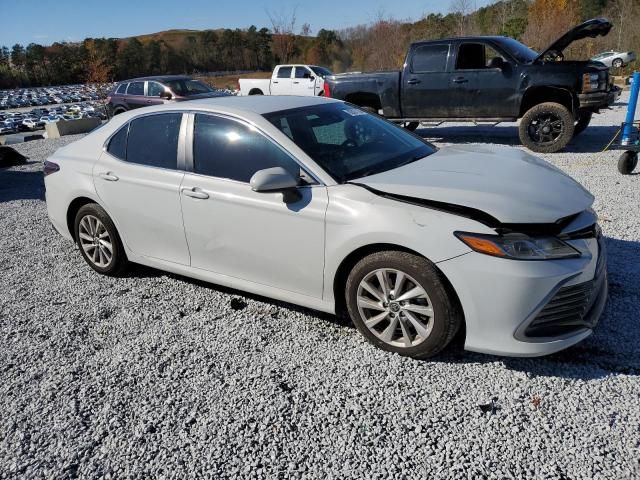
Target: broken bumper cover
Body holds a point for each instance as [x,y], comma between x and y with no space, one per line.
[597,100]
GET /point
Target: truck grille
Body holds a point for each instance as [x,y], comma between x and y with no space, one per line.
[569,309]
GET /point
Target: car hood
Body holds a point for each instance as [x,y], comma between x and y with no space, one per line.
[595,27]
[507,184]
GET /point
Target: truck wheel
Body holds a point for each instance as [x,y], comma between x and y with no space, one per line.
[546,127]
[411,126]
[627,162]
[256,91]
[584,118]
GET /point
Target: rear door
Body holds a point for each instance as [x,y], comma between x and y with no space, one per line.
[138,181]
[425,81]
[134,97]
[282,82]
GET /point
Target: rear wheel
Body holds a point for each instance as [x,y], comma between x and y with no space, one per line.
[256,91]
[411,126]
[627,162]
[98,240]
[118,111]
[546,128]
[617,62]
[398,301]
[582,122]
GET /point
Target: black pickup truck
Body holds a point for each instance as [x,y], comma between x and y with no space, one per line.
[489,79]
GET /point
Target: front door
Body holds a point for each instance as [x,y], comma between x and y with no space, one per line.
[425,82]
[274,239]
[138,178]
[304,82]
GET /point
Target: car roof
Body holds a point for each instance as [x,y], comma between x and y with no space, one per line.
[159,78]
[463,39]
[258,104]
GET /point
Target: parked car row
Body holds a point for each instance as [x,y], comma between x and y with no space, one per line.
[41,96]
[37,118]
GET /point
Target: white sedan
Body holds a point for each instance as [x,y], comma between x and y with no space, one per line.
[318,203]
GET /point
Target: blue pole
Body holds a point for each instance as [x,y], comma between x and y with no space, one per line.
[631,109]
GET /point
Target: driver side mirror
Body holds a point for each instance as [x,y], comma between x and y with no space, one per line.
[273,179]
[166,95]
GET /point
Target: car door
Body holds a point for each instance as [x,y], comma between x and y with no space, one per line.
[138,181]
[304,81]
[274,238]
[483,83]
[282,82]
[135,96]
[425,82]
[153,91]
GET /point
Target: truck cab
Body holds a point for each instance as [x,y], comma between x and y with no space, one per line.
[294,79]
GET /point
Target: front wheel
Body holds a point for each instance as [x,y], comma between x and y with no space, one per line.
[546,128]
[98,240]
[627,162]
[398,301]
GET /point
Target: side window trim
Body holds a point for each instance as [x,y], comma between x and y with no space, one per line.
[188,151]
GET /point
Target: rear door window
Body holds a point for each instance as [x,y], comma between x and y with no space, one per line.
[153,140]
[284,72]
[430,58]
[136,88]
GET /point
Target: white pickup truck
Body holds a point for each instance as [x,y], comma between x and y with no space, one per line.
[304,80]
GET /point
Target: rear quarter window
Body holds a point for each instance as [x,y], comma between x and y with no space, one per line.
[118,144]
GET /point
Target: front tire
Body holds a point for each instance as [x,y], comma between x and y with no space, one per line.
[399,303]
[98,240]
[627,162]
[546,128]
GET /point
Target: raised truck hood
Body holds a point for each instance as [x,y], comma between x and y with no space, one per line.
[595,27]
[497,183]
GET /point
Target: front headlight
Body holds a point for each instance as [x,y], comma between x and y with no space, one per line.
[518,246]
[589,82]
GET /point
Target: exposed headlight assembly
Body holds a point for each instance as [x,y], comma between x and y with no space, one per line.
[518,246]
[590,82]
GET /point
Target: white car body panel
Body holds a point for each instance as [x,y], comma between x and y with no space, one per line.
[293,251]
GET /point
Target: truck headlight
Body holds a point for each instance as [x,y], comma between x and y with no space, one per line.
[589,82]
[518,246]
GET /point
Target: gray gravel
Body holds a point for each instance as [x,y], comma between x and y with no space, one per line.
[157,376]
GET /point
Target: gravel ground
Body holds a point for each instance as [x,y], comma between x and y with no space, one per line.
[157,376]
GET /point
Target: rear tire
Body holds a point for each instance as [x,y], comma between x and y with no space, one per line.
[546,128]
[411,126]
[118,111]
[617,62]
[400,303]
[627,162]
[584,118]
[256,91]
[98,241]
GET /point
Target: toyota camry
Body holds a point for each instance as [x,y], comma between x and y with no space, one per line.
[315,202]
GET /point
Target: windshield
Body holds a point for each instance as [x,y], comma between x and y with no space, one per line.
[320,71]
[347,142]
[186,87]
[520,52]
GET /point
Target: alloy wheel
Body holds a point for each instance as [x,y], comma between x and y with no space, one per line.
[546,128]
[95,241]
[395,307]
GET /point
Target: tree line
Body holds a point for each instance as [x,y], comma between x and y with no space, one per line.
[380,44]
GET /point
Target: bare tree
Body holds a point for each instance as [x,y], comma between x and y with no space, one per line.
[305,31]
[463,9]
[283,38]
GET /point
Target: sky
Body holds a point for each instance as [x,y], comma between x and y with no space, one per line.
[48,21]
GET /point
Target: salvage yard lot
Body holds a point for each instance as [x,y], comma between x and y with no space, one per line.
[158,376]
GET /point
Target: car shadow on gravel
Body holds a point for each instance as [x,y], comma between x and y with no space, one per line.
[592,140]
[21,185]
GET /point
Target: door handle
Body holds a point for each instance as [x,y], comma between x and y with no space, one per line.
[275,81]
[110,177]
[413,81]
[296,83]
[460,80]
[195,193]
